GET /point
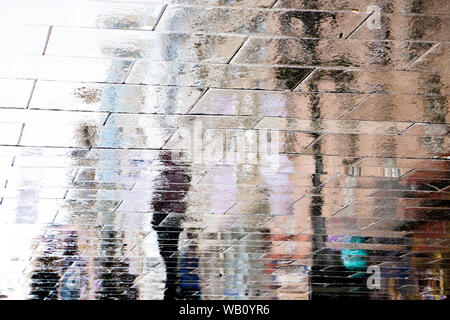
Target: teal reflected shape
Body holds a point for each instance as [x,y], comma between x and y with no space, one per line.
[354,259]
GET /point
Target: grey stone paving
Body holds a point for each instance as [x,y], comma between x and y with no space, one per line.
[224,149]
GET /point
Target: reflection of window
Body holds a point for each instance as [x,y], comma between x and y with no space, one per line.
[354,171]
[70,285]
[392,172]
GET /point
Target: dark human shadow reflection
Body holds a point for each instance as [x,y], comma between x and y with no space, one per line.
[53,275]
[168,207]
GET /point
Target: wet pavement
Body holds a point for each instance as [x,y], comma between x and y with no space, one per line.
[224,149]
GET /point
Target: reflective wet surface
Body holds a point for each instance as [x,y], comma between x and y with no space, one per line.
[224,149]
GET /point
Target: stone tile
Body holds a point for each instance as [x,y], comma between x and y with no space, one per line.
[215,75]
[331,53]
[333,126]
[93,14]
[113,98]
[283,104]
[394,107]
[386,6]
[25,39]
[231,3]
[15,93]
[88,136]
[374,145]
[403,163]
[407,27]
[427,130]
[52,117]
[377,82]
[435,59]
[103,43]
[63,68]
[186,121]
[9,133]
[294,23]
